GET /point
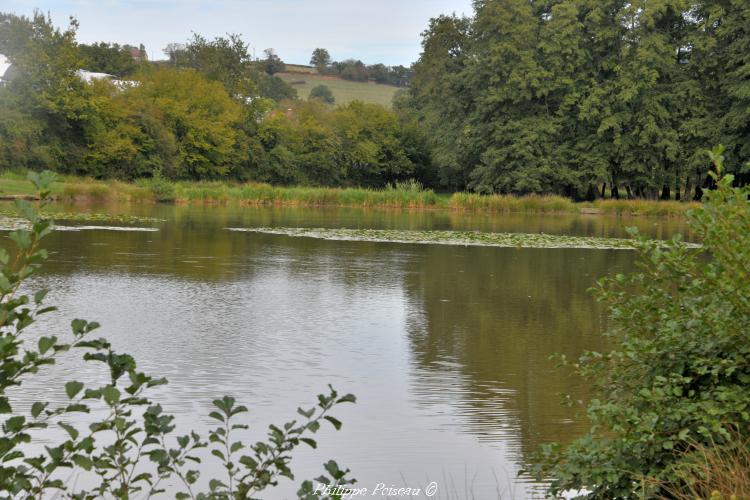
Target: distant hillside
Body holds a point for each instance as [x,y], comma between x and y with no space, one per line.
[304,78]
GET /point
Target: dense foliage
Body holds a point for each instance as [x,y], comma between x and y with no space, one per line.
[362,144]
[209,113]
[677,381]
[565,96]
[579,98]
[323,93]
[112,58]
[129,446]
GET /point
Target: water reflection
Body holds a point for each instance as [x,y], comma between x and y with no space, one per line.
[446,347]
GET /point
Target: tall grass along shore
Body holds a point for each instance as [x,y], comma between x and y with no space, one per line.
[408,195]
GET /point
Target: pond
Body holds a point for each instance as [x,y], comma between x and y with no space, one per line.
[446,347]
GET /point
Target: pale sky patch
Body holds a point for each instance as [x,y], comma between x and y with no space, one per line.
[386,31]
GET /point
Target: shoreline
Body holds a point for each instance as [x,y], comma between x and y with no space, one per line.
[79,190]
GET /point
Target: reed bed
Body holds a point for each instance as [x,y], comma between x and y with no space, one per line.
[508,203]
[406,195]
[643,207]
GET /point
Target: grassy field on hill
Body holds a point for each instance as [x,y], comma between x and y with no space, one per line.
[344,91]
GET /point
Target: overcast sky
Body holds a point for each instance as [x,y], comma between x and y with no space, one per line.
[385,31]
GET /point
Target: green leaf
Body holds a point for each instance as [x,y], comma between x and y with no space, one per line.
[72,431]
[37,408]
[306,413]
[78,326]
[215,485]
[335,422]
[46,343]
[111,395]
[83,462]
[73,388]
[349,398]
[39,296]
[15,424]
[309,442]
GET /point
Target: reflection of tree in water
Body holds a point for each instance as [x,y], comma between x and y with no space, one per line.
[488,320]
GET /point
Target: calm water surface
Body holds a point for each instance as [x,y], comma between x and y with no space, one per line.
[445,347]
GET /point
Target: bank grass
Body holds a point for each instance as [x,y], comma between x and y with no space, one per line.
[642,207]
[508,203]
[714,473]
[404,195]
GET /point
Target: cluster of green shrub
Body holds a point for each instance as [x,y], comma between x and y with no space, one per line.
[210,114]
[569,96]
[671,408]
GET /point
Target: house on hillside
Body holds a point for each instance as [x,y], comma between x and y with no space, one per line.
[139,54]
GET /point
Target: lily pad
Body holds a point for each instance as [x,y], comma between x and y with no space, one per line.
[460,238]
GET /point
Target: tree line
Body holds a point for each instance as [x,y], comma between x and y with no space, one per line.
[581,97]
[211,113]
[356,70]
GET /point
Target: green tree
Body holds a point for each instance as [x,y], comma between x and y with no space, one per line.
[224,60]
[45,93]
[272,64]
[320,59]
[511,124]
[439,97]
[108,58]
[273,87]
[323,93]
[200,119]
[721,52]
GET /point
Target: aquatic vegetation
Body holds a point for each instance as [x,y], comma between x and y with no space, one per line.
[14,223]
[460,238]
[11,211]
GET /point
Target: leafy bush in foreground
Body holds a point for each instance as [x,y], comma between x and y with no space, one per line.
[133,448]
[678,378]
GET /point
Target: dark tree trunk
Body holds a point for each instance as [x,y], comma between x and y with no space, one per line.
[665,193]
[629,191]
[604,190]
[615,192]
[591,193]
[698,193]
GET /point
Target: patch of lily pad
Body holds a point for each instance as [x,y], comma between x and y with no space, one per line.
[13,223]
[12,212]
[459,238]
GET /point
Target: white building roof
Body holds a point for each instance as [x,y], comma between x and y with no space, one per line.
[4,65]
[89,76]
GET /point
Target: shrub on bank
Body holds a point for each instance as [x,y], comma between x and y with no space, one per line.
[677,381]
